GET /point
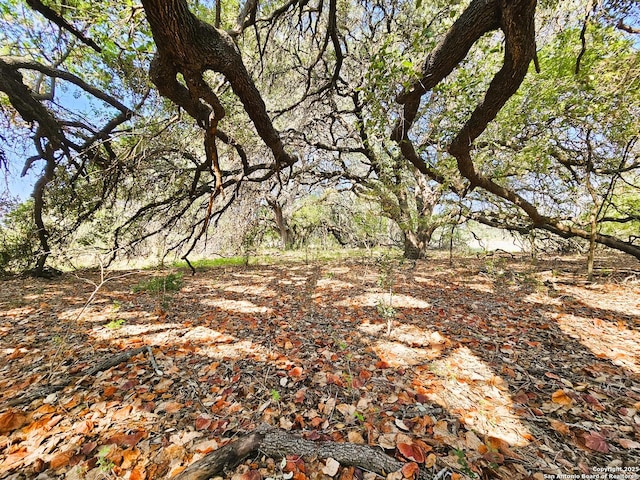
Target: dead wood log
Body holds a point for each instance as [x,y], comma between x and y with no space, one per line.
[276,443]
[49,389]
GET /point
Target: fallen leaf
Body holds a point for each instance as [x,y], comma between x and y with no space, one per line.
[561,398]
[395,475]
[560,427]
[202,423]
[355,437]
[173,407]
[11,420]
[493,457]
[251,475]
[401,425]
[127,440]
[411,452]
[60,460]
[387,441]
[431,460]
[410,469]
[595,441]
[331,467]
[299,396]
[137,473]
[296,372]
[626,443]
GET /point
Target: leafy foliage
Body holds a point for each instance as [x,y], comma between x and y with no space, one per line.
[18,244]
[167,283]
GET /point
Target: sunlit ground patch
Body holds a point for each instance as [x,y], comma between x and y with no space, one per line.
[468,388]
[254,290]
[241,349]
[333,284]
[239,306]
[406,345]
[373,299]
[604,338]
[397,354]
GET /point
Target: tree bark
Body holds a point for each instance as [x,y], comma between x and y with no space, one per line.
[286,239]
[190,46]
[278,444]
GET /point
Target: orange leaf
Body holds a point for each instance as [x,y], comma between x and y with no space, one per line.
[11,420]
[411,452]
[431,460]
[202,423]
[410,469]
[109,391]
[129,457]
[626,443]
[127,440]
[347,473]
[561,398]
[172,407]
[137,474]
[60,460]
[295,372]
[560,427]
[13,458]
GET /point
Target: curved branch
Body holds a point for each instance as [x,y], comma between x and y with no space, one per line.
[190,46]
[49,14]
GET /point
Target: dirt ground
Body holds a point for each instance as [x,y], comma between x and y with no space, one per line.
[488,368]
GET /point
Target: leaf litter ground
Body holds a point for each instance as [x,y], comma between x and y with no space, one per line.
[492,368]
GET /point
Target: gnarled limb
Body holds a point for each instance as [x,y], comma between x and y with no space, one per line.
[278,444]
[190,46]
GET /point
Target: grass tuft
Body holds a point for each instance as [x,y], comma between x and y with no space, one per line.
[168,283]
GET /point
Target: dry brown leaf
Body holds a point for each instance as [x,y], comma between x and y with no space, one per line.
[331,467]
[431,460]
[129,457]
[60,460]
[296,372]
[410,469]
[138,473]
[83,427]
[560,427]
[628,444]
[595,441]
[387,441]
[173,407]
[130,440]
[11,420]
[202,423]
[411,452]
[355,437]
[561,398]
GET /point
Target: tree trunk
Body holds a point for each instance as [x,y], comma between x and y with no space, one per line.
[286,239]
[416,242]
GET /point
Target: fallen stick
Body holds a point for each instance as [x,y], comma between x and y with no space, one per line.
[276,443]
[105,365]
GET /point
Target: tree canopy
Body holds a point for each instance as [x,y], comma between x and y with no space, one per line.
[162,117]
